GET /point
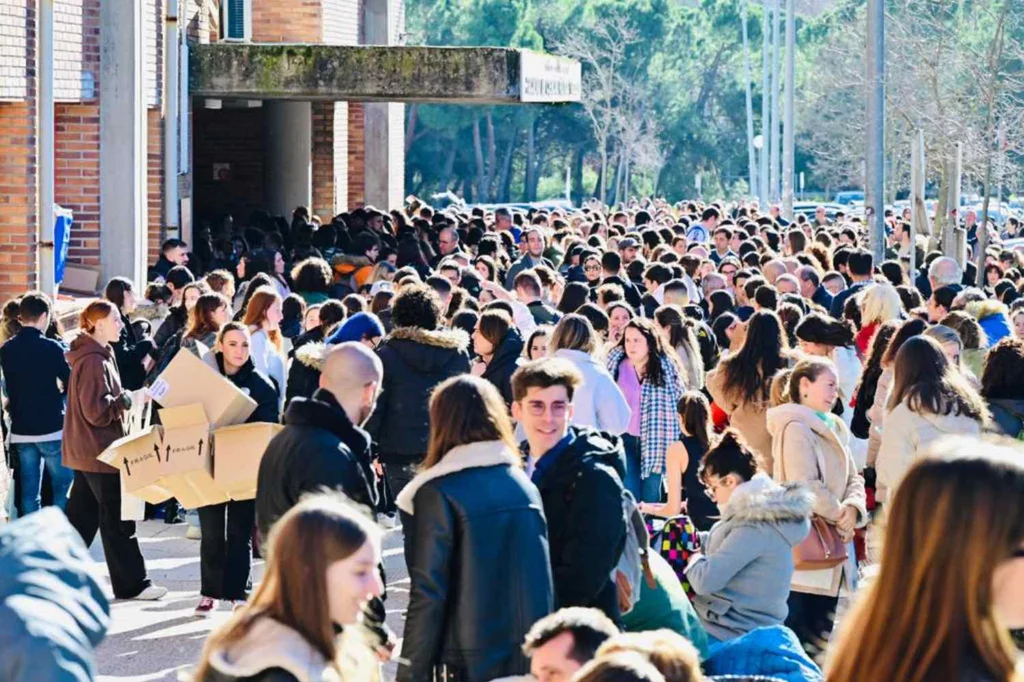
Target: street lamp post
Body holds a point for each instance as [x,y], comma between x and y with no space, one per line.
[788,133]
[874,183]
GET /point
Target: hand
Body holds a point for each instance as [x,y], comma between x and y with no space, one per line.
[478,369]
[384,652]
[847,520]
[377,468]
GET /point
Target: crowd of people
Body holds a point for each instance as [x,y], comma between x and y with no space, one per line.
[652,442]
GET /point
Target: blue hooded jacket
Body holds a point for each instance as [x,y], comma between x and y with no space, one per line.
[53,613]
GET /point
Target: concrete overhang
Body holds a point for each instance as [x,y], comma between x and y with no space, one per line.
[464,75]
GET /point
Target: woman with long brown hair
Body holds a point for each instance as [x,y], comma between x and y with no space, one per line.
[321,570]
[680,336]
[880,407]
[648,375]
[934,614]
[475,542]
[210,313]
[741,384]
[226,550]
[263,316]
[92,422]
[930,399]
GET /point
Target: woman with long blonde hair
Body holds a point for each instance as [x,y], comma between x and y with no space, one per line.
[475,541]
[263,316]
[948,592]
[321,570]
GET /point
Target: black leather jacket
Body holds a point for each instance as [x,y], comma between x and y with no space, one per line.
[476,546]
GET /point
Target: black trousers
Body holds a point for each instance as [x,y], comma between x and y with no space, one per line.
[399,474]
[225,550]
[95,504]
[811,617]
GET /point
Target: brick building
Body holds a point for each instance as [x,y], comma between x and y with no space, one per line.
[238,155]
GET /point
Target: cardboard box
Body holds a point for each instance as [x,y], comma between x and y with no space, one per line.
[237,453]
[189,380]
[175,458]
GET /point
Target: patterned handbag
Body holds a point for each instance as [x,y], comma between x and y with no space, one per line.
[675,539]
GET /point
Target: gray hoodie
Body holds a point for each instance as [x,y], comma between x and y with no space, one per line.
[742,578]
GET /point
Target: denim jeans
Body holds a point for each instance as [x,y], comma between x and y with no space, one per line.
[32,457]
[651,489]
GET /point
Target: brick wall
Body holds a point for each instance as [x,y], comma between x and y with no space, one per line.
[330,158]
[356,155]
[155,183]
[77,176]
[341,22]
[228,136]
[17,150]
[286,21]
[14,55]
[17,198]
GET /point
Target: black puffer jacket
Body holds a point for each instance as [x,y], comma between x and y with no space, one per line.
[582,495]
[507,358]
[318,448]
[476,545]
[314,335]
[257,386]
[304,372]
[415,361]
[130,351]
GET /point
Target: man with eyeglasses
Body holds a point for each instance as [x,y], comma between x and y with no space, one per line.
[579,473]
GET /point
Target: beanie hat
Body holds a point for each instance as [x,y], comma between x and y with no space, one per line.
[356,328]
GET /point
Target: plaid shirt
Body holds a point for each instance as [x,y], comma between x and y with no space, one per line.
[659,423]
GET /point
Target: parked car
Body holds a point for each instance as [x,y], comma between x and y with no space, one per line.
[848,197]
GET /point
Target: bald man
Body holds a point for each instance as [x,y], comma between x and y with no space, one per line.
[323,447]
[322,444]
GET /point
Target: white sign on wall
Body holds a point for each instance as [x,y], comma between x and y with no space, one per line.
[546,78]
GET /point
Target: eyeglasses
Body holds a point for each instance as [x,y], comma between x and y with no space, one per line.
[710,489]
[591,268]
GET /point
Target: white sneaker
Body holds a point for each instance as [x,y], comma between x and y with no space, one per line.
[194,533]
[151,593]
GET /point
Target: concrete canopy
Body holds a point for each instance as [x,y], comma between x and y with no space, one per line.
[466,75]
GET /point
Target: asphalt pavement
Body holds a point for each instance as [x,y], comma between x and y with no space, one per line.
[151,641]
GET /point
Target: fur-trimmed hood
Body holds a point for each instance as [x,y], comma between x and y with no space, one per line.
[270,644]
[151,311]
[472,455]
[346,263]
[761,500]
[454,339]
[311,355]
[979,310]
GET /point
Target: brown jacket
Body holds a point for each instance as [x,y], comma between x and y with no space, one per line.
[747,417]
[92,420]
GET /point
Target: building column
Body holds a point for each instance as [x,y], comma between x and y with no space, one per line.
[384,122]
[288,166]
[123,140]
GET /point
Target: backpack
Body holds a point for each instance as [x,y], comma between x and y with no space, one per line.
[676,541]
[633,565]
